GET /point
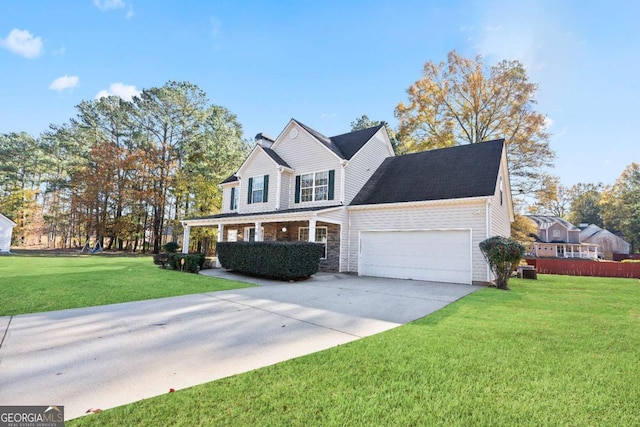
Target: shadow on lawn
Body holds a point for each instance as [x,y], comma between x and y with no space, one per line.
[72,253]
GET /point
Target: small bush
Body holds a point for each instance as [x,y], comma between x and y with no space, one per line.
[280,260]
[171,247]
[503,255]
[192,262]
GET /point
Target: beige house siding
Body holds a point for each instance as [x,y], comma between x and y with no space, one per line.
[365,162]
[559,232]
[470,214]
[285,188]
[260,164]
[500,216]
[226,197]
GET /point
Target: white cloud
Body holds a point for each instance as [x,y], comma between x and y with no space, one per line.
[105,5]
[23,43]
[126,92]
[60,51]
[64,82]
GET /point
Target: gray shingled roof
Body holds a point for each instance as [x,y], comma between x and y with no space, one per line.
[346,144]
[232,178]
[275,157]
[541,220]
[350,143]
[449,173]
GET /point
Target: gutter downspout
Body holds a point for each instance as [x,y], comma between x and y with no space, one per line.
[343,171]
[488,230]
[349,242]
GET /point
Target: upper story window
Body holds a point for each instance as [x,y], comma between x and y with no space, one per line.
[313,187]
[258,189]
[501,190]
[234,199]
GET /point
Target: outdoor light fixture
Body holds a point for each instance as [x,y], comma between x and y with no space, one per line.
[284,229]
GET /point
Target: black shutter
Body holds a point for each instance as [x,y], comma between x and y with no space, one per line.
[265,189]
[233,194]
[332,183]
[249,197]
[297,189]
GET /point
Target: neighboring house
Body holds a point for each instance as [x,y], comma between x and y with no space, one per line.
[6,229]
[559,238]
[609,243]
[419,216]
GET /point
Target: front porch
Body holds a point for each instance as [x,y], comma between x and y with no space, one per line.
[563,250]
[303,226]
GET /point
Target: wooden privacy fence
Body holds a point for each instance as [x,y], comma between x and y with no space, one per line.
[579,267]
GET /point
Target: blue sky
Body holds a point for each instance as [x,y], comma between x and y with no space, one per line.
[328,62]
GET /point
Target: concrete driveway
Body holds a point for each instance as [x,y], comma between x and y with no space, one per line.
[101,357]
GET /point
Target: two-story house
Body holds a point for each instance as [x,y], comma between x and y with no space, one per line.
[418,216]
[558,238]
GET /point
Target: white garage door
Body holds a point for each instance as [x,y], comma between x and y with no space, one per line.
[434,255]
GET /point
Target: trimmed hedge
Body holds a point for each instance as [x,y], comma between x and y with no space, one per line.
[161,259]
[503,255]
[192,262]
[280,260]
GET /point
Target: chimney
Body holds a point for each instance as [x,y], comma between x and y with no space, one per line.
[264,140]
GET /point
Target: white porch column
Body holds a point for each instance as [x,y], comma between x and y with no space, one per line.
[185,239]
[312,230]
[220,233]
[220,239]
[258,231]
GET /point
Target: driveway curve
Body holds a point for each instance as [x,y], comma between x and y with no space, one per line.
[106,356]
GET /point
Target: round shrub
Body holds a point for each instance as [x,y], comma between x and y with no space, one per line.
[503,255]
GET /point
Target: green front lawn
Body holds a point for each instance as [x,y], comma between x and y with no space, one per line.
[32,284]
[557,351]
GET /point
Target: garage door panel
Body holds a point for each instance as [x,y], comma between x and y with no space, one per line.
[436,255]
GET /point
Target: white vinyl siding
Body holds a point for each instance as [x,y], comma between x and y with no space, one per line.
[363,164]
[260,164]
[305,154]
[500,221]
[226,197]
[455,215]
[285,184]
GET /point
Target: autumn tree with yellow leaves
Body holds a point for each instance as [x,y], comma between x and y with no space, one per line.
[463,101]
